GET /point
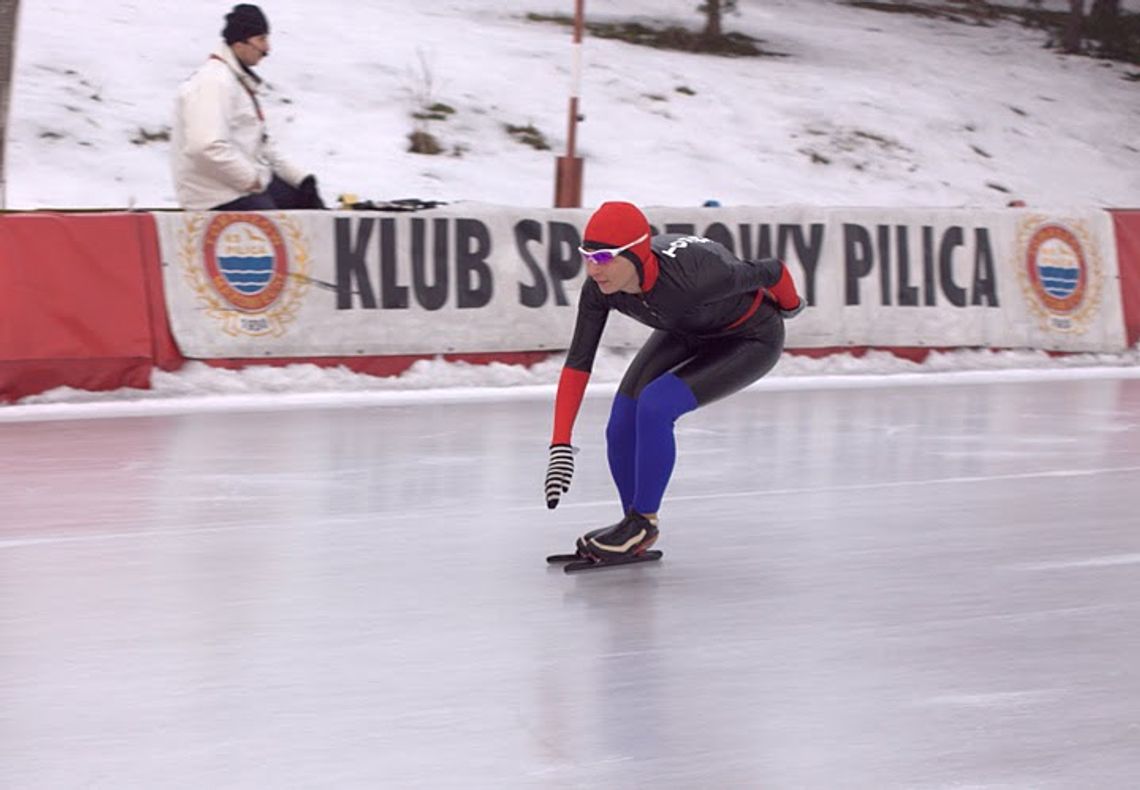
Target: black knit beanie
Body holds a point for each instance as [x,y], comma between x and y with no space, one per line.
[244,22]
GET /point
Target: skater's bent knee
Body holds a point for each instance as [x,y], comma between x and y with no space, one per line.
[666,397]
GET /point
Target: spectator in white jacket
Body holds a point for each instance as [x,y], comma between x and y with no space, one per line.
[223,158]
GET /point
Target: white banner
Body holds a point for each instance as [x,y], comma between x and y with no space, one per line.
[482,278]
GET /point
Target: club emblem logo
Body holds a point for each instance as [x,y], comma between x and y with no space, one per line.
[247,273]
[1060,273]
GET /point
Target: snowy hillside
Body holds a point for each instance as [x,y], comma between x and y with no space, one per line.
[860,108]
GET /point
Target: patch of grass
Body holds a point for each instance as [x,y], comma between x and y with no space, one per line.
[981,152]
[860,149]
[672,38]
[423,142]
[435,112]
[856,140]
[978,13]
[904,8]
[1112,38]
[891,8]
[528,135]
[885,142]
[655,97]
[144,136]
[558,19]
[998,187]
[48,134]
[685,90]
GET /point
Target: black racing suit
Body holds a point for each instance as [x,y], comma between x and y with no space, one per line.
[717,330]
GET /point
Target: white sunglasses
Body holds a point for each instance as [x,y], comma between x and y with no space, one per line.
[602,257]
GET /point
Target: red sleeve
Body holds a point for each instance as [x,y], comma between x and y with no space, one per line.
[784,291]
[571,388]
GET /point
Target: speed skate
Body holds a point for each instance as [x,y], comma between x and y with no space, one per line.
[585,562]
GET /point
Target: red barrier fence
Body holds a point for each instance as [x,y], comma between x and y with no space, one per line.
[80,303]
[1128,253]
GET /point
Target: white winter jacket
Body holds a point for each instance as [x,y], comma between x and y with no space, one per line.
[219,145]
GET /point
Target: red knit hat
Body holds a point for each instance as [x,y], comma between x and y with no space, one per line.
[616,224]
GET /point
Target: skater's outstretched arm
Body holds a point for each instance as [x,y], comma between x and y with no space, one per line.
[591,321]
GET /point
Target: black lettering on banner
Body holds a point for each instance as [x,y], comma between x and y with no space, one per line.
[908,294]
[722,235]
[684,228]
[393,296]
[745,242]
[858,259]
[473,279]
[930,296]
[953,237]
[352,263]
[808,253]
[434,296]
[985,280]
[534,294]
[562,259]
[764,247]
[884,234]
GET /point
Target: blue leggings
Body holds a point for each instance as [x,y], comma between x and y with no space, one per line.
[669,377]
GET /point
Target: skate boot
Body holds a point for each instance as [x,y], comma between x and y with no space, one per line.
[625,542]
[584,540]
[579,547]
[628,539]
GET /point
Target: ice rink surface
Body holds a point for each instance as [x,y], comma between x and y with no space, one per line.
[893,587]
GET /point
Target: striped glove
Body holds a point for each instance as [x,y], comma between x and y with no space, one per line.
[559,470]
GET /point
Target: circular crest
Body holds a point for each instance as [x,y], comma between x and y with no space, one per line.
[246,260]
[1057,270]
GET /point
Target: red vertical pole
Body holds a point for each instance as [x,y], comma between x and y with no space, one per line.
[568,168]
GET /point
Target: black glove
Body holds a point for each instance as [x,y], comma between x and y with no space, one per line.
[559,471]
[310,197]
[786,314]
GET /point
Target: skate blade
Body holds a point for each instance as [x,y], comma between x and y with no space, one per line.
[596,565]
[555,559]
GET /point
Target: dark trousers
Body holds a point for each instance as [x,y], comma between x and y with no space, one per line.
[710,368]
[279,195]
